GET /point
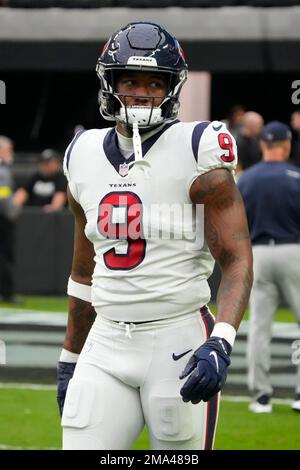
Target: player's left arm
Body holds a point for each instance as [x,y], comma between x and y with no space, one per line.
[227,236]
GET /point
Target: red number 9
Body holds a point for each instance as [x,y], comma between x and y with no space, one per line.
[225,142]
[120,218]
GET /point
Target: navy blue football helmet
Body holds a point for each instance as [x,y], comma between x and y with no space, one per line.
[141,46]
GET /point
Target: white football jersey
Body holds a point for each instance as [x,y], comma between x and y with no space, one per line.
[151,259]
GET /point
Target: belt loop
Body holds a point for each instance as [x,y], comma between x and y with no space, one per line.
[271,241]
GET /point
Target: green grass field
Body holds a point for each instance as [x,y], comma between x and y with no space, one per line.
[59,304]
[40,303]
[30,420]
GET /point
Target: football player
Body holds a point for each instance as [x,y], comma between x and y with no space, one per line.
[141,341]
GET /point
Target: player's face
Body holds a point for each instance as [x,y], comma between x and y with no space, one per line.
[142,87]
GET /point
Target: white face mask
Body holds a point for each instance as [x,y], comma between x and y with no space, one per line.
[144,116]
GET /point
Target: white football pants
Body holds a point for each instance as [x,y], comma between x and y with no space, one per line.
[126,377]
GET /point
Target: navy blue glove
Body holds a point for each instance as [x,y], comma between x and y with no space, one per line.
[207,370]
[65,371]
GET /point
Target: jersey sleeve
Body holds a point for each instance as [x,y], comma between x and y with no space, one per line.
[213,147]
[67,166]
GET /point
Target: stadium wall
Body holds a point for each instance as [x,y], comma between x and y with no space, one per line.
[214,39]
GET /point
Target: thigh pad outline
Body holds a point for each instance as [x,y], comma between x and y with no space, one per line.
[83,405]
[171,418]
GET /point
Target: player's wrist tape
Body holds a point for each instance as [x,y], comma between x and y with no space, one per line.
[224,330]
[80,291]
[68,356]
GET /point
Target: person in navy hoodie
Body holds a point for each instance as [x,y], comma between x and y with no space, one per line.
[271,193]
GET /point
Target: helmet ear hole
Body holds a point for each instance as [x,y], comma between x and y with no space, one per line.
[172,82]
[170,107]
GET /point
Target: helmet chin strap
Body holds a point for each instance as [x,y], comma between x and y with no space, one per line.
[145,117]
[137,148]
[137,142]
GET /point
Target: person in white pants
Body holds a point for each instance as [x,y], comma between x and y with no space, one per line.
[144,249]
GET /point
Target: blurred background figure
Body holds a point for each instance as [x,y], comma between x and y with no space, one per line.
[7,222]
[271,193]
[247,141]
[235,118]
[47,187]
[295,124]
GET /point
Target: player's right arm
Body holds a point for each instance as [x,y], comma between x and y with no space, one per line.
[81,313]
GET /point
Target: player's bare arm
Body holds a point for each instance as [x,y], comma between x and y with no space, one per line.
[226,232]
[227,236]
[81,313]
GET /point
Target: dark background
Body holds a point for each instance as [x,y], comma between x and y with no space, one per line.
[44,107]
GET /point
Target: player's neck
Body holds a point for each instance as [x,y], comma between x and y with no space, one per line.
[125,142]
[123,129]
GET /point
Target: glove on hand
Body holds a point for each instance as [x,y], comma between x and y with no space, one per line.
[65,371]
[207,370]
